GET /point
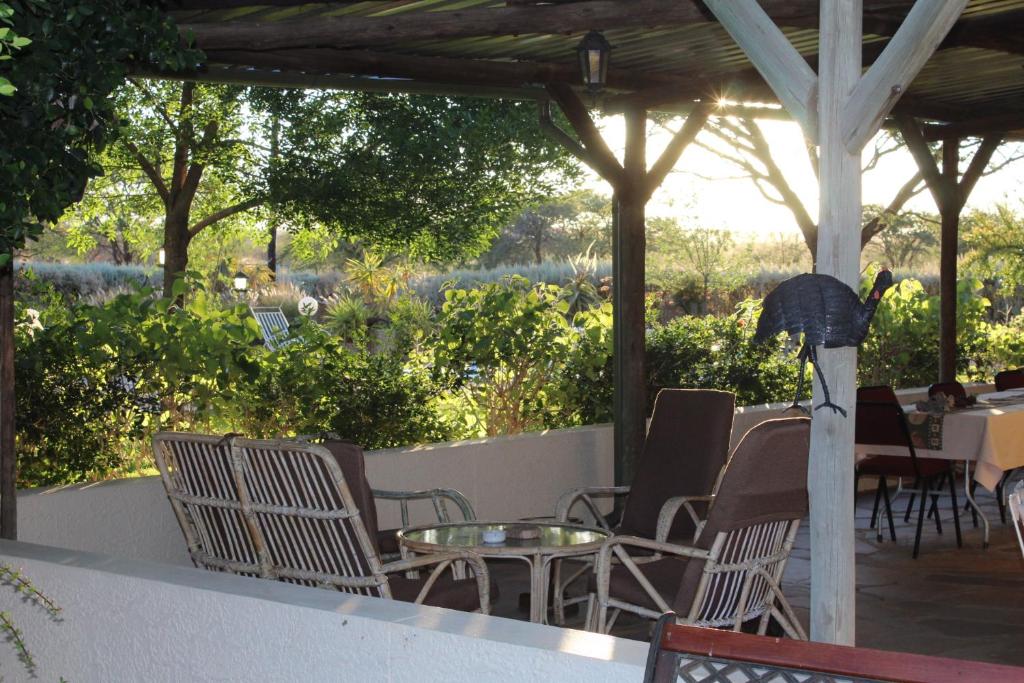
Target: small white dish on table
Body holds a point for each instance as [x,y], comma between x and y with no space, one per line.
[494,536]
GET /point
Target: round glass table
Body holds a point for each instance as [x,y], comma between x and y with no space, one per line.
[554,541]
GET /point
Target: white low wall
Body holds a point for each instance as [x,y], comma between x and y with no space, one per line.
[504,477]
[125,620]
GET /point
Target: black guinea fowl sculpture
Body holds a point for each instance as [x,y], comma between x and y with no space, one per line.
[826,311]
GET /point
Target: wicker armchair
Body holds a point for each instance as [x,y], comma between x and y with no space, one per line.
[687,445]
[300,513]
[1015,502]
[732,572]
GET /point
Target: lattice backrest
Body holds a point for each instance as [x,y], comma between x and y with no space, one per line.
[750,526]
[749,562]
[273,325]
[274,509]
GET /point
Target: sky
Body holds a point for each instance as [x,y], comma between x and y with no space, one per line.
[721,199]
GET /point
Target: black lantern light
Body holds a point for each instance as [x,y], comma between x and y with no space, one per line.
[593,51]
[241,281]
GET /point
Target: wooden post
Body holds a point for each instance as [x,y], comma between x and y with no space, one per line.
[950,193]
[949,211]
[633,185]
[830,472]
[629,252]
[8,455]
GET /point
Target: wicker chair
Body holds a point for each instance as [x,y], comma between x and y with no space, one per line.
[732,572]
[300,513]
[686,447]
[1016,504]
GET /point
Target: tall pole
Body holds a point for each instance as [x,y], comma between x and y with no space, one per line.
[629,328]
[949,211]
[8,456]
[830,474]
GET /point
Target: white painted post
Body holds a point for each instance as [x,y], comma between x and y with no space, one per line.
[830,476]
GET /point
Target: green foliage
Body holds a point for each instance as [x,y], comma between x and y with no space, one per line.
[348,317]
[550,272]
[719,353]
[901,348]
[908,237]
[317,385]
[502,344]
[61,112]
[584,381]
[428,176]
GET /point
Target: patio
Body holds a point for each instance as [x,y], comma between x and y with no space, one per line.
[117,565]
[963,603]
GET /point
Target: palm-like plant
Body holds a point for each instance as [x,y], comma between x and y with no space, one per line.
[579,291]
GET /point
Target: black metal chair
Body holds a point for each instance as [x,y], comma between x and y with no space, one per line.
[883,423]
[1010,379]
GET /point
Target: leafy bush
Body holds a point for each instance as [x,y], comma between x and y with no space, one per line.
[317,385]
[549,272]
[719,353]
[502,344]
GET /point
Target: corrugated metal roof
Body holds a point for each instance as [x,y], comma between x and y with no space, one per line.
[958,82]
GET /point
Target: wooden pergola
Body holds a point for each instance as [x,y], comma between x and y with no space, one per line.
[940,70]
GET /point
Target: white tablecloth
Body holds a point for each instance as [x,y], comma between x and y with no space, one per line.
[991,435]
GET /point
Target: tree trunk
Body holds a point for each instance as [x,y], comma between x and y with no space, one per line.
[176,241]
[8,455]
[630,377]
[272,253]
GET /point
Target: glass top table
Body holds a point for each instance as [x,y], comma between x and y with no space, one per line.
[555,541]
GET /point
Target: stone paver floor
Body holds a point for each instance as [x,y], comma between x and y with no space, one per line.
[957,602]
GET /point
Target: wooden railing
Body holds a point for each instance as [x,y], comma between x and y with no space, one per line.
[694,655]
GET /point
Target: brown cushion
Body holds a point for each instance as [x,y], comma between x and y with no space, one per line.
[460,594]
[686,446]
[387,541]
[664,574]
[349,457]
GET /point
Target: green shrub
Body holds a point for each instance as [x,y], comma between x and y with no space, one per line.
[719,353]
[502,344]
[318,385]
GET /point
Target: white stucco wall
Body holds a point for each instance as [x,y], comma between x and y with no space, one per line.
[504,477]
[125,620]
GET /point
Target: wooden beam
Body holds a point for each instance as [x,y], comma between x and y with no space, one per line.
[775,58]
[675,148]
[830,471]
[369,31]
[482,72]
[999,123]
[296,79]
[601,157]
[889,77]
[922,154]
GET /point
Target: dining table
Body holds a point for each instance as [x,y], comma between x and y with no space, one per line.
[987,436]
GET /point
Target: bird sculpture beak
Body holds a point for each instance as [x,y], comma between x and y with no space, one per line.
[877,295]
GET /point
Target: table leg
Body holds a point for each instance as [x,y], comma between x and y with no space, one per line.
[538,594]
[974,504]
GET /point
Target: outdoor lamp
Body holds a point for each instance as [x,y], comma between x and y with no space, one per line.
[161,257]
[593,51]
[241,282]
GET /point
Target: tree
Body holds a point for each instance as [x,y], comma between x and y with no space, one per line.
[705,249]
[194,146]
[430,177]
[566,226]
[909,236]
[746,146]
[59,114]
[994,242]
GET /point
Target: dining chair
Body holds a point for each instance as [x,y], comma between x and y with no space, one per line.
[731,574]
[954,389]
[883,423]
[301,513]
[686,447]
[1010,379]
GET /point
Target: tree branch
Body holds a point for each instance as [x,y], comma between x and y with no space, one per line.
[989,144]
[675,148]
[222,214]
[150,170]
